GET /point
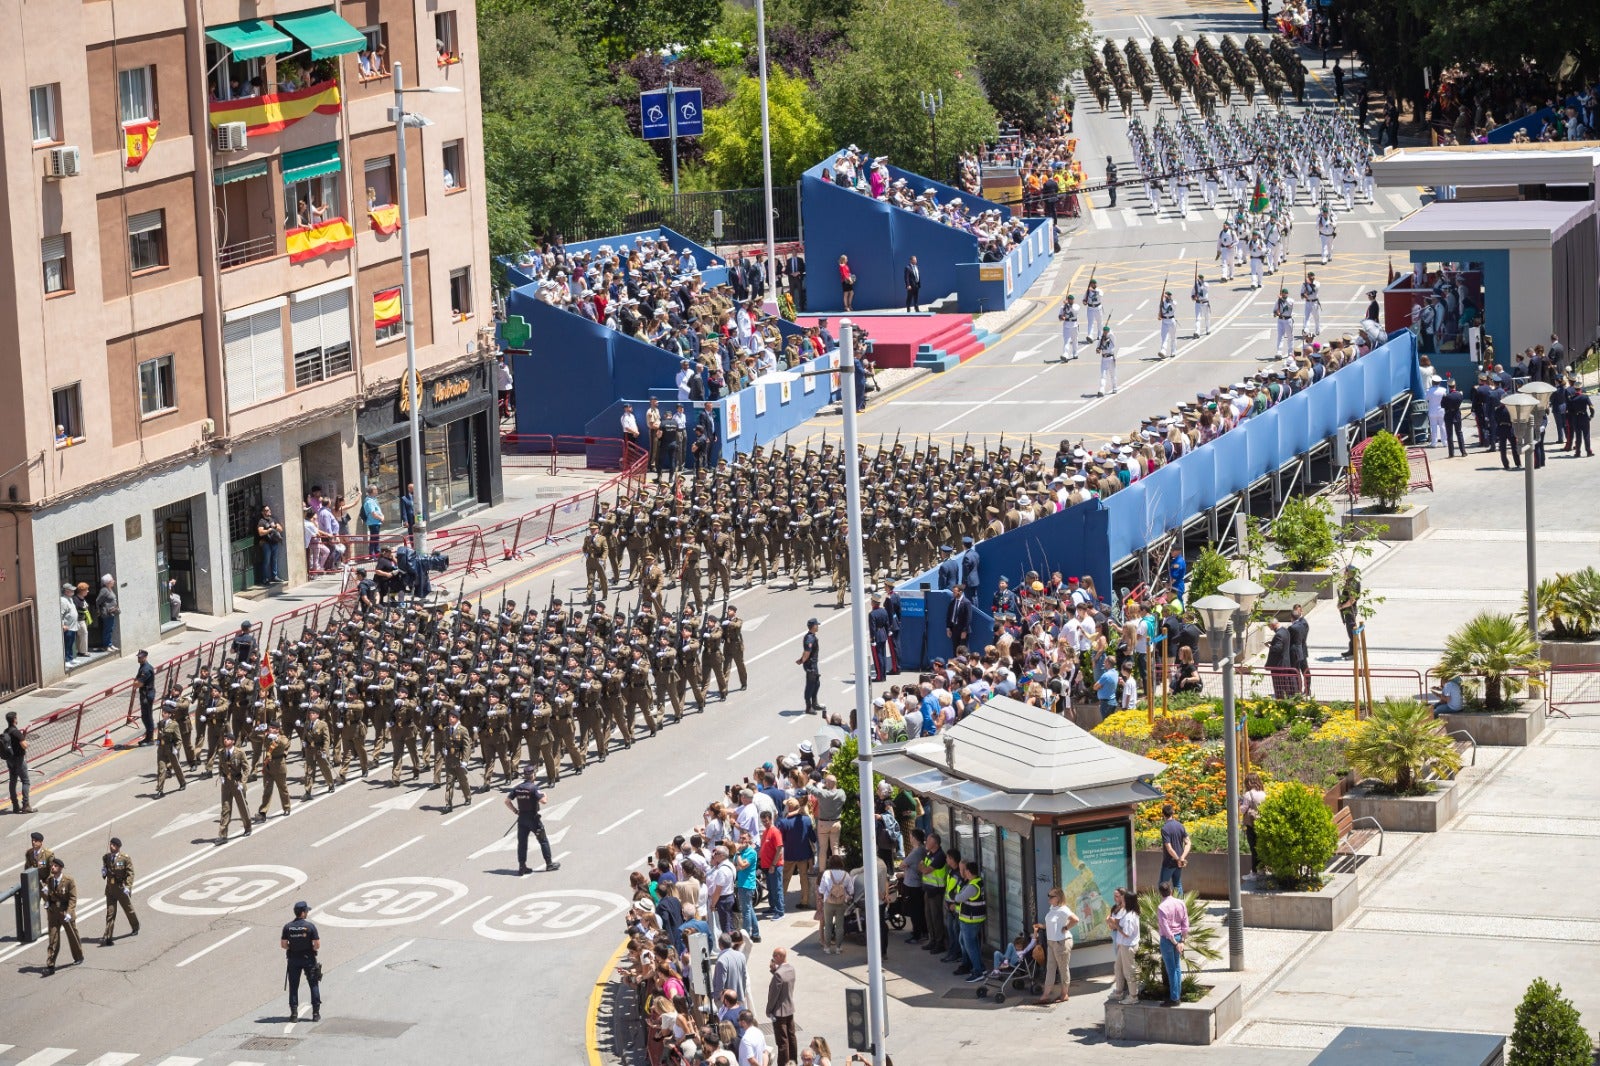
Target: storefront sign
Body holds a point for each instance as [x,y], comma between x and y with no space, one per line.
[450,389]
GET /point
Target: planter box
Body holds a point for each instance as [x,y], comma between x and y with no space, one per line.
[1406,814]
[1334,797]
[1200,1023]
[1512,729]
[1207,872]
[1570,652]
[1320,911]
[1319,582]
[1402,525]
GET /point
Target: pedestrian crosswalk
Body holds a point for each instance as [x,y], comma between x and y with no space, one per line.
[1363,214]
[11,1055]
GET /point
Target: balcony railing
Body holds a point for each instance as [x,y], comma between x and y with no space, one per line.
[247,251]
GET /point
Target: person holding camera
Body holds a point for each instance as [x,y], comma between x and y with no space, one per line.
[301,942]
[269,534]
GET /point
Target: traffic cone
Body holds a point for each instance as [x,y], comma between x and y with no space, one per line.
[106,743]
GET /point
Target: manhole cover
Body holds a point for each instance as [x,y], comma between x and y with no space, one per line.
[270,1043]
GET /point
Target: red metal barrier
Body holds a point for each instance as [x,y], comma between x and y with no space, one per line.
[1328,684]
[1417,459]
[1568,687]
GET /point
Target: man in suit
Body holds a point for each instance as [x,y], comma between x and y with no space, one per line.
[969,566]
[1299,656]
[958,623]
[738,279]
[797,280]
[913,286]
[891,604]
[755,277]
[780,1007]
[1280,661]
[949,568]
[708,423]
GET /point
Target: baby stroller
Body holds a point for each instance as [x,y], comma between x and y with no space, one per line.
[856,917]
[1026,976]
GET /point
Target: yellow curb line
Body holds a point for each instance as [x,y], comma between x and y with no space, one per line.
[592,1024]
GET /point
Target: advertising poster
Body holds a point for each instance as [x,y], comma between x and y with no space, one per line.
[1093,863]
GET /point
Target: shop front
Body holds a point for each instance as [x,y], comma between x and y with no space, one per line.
[1039,803]
[460,446]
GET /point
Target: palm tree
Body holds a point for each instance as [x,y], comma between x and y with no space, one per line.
[1200,945]
[1400,743]
[1495,647]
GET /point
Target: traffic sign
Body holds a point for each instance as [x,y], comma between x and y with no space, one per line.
[656,108]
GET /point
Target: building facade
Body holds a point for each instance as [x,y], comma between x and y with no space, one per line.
[204,315]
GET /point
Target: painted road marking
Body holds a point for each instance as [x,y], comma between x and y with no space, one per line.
[117,1058]
[474,905]
[508,842]
[391,851]
[620,821]
[387,955]
[392,901]
[454,818]
[747,747]
[228,890]
[679,788]
[554,915]
[48,1057]
[203,952]
[402,802]
[184,821]
[58,845]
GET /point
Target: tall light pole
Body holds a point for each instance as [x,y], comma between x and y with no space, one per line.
[1528,407]
[1219,612]
[933,103]
[413,387]
[766,146]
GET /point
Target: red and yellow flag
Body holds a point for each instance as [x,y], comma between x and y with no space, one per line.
[276,111]
[308,242]
[138,137]
[385,217]
[386,308]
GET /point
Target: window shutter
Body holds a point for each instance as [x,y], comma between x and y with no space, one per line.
[266,352]
[53,247]
[305,325]
[144,222]
[335,319]
[237,363]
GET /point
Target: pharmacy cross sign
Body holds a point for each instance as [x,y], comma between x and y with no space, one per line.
[515,332]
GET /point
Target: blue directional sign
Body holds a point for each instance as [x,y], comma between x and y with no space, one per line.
[655,110]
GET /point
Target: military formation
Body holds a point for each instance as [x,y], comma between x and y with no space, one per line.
[1206,73]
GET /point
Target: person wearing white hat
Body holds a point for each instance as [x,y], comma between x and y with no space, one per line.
[1201,295]
[1107,347]
[1283,314]
[1167,315]
[1435,397]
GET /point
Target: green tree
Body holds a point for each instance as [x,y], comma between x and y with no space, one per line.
[1303,532]
[614,30]
[553,147]
[732,140]
[1199,946]
[1496,648]
[1385,470]
[1548,1030]
[1025,50]
[847,772]
[1295,836]
[1399,745]
[1211,570]
[869,95]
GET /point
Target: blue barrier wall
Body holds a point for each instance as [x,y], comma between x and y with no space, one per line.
[1089,538]
[1533,124]
[879,240]
[979,289]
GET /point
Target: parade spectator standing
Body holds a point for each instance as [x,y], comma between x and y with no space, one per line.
[748,864]
[1174,848]
[1057,928]
[372,518]
[780,1007]
[14,749]
[799,839]
[1255,794]
[1172,924]
[1124,921]
[770,856]
[69,626]
[913,285]
[106,606]
[269,535]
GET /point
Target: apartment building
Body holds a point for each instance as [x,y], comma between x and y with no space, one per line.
[203,315]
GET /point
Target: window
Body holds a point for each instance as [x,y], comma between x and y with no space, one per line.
[320,332]
[388,314]
[380,181]
[137,90]
[374,58]
[56,251]
[315,200]
[445,39]
[69,415]
[455,171]
[147,241]
[461,292]
[252,350]
[236,79]
[45,101]
[157,390]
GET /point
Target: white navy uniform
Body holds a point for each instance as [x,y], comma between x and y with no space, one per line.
[1108,361]
[1168,314]
[1283,311]
[1092,299]
[1226,241]
[1326,231]
[1069,329]
[1202,306]
[1311,297]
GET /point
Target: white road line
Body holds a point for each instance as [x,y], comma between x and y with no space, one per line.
[687,783]
[1125,318]
[118,1058]
[984,403]
[826,621]
[1366,228]
[470,808]
[1141,307]
[471,906]
[1400,203]
[835,655]
[747,747]
[178,1060]
[58,845]
[5,1048]
[558,856]
[387,955]
[236,934]
[1130,217]
[48,1057]
[1100,219]
[261,826]
[627,817]
[391,851]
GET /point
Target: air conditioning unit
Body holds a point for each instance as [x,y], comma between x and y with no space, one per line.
[62,163]
[232,137]
[208,428]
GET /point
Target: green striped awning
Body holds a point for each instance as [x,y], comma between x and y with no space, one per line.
[311,162]
[240,172]
[251,39]
[324,32]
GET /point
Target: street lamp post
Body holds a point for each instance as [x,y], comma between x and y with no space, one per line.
[413,387]
[1219,612]
[933,103]
[1528,407]
[766,146]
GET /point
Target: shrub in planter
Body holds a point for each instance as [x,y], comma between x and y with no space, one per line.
[1495,647]
[1385,470]
[1200,945]
[1295,836]
[1304,532]
[1569,605]
[1548,1030]
[1400,745]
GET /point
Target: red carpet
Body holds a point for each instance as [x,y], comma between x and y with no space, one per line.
[896,337]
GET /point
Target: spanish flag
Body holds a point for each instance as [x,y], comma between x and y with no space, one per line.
[308,242]
[386,308]
[385,217]
[276,111]
[138,137]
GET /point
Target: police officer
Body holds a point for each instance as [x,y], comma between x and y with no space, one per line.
[117,870]
[809,661]
[146,679]
[301,942]
[524,801]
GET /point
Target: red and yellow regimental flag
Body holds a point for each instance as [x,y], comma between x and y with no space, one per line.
[386,308]
[385,217]
[308,242]
[138,137]
[275,111]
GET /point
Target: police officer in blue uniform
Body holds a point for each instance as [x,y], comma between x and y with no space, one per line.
[878,626]
[301,942]
[811,662]
[524,801]
[969,566]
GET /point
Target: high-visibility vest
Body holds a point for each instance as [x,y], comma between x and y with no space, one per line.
[975,910]
[934,876]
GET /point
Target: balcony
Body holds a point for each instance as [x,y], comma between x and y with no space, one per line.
[275,112]
[249,250]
